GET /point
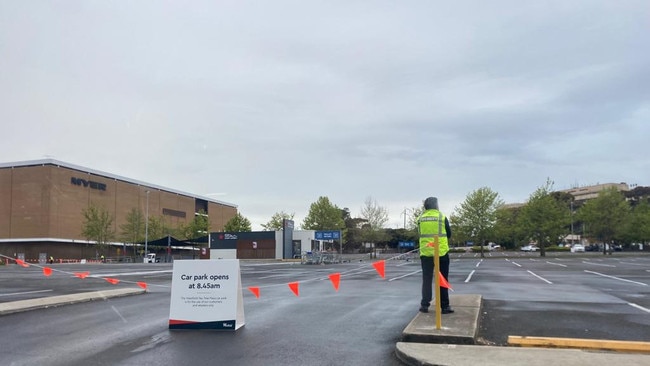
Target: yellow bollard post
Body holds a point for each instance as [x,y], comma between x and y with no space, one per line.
[436,279]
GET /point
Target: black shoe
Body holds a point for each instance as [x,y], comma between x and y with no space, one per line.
[424,309]
[447,310]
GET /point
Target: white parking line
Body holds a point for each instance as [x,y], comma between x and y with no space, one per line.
[406,275]
[118,313]
[598,264]
[25,293]
[479,263]
[99,275]
[557,264]
[617,278]
[639,307]
[515,263]
[470,276]
[634,264]
[541,278]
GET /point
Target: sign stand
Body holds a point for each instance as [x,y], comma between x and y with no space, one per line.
[206,294]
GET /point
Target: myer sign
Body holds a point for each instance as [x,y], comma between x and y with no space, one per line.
[88,183]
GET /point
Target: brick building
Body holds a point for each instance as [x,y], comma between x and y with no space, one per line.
[42,203]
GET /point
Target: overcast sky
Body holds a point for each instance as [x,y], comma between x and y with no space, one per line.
[270,104]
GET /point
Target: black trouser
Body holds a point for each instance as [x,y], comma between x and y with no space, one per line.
[427,281]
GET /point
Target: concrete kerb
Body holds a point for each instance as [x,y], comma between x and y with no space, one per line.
[46,302]
[454,344]
[420,354]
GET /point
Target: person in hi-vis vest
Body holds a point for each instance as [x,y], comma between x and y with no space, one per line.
[431,223]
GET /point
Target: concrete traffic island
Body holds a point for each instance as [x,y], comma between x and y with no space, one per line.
[460,327]
[46,302]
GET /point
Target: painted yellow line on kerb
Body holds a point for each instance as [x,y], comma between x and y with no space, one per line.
[597,344]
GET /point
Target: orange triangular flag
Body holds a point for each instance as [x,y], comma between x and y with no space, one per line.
[22,263]
[443,282]
[380,266]
[294,287]
[255,291]
[47,271]
[114,281]
[143,285]
[81,275]
[336,280]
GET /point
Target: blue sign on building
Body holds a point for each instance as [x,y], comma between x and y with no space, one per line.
[406,244]
[328,235]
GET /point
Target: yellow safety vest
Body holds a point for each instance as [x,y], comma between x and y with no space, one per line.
[432,223]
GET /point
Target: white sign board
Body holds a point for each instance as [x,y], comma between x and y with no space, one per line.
[206,294]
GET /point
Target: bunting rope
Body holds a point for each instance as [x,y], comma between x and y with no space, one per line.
[48,271]
[379,266]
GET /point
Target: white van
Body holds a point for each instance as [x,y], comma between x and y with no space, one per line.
[151,258]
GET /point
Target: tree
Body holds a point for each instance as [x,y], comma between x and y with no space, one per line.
[323,215]
[476,216]
[412,221]
[157,228]
[507,232]
[276,221]
[638,226]
[544,218]
[133,230]
[238,224]
[375,218]
[98,226]
[605,216]
[199,226]
[352,231]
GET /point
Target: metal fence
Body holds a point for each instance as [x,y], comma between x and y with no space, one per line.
[320,258]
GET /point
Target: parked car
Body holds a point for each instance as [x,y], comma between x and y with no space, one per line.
[492,246]
[529,248]
[592,248]
[577,248]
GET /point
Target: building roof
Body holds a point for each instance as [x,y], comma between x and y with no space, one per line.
[42,162]
[588,192]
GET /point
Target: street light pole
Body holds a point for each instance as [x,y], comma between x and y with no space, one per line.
[572,237]
[406,209]
[146,227]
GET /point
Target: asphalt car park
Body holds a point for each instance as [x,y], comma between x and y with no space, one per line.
[578,295]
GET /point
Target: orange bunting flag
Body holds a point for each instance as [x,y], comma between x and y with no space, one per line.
[114,281]
[444,283]
[255,291]
[22,263]
[380,266]
[47,271]
[81,275]
[143,285]
[336,280]
[294,287]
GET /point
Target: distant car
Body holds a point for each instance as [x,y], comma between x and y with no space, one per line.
[529,248]
[592,248]
[492,246]
[577,248]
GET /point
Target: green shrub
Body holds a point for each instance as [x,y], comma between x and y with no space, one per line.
[555,248]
